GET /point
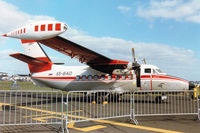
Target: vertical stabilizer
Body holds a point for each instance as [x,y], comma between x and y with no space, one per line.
[33,49]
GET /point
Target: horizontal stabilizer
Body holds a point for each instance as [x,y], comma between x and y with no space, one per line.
[28,59]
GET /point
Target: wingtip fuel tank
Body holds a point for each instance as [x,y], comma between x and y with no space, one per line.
[38,30]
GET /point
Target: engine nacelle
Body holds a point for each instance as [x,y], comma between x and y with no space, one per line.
[38,30]
[130,66]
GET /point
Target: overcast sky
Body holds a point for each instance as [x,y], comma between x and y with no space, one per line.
[165,32]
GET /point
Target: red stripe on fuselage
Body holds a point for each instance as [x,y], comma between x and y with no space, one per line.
[161,77]
[56,77]
[143,77]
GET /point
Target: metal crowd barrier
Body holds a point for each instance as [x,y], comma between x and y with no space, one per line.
[95,105]
[18,107]
[160,103]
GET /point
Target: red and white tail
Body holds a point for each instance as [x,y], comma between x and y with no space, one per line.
[33,49]
[34,56]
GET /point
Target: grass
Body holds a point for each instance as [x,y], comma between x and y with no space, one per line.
[8,85]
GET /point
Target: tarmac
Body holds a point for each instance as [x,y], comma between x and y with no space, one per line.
[153,124]
[161,124]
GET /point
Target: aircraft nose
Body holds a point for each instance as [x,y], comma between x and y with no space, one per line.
[4,35]
[191,85]
[65,27]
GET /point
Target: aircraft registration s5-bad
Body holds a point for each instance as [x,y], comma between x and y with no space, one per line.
[101,72]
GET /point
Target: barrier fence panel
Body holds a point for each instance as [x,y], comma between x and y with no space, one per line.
[152,103]
[92,105]
[19,107]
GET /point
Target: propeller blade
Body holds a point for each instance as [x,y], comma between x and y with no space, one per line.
[138,79]
[133,55]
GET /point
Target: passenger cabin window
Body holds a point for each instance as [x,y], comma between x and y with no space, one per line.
[89,77]
[77,77]
[129,76]
[160,71]
[154,72]
[96,77]
[123,77]
[117,77]
[147,70]
[103,77]
[42,27]
[50,27]
[83,77]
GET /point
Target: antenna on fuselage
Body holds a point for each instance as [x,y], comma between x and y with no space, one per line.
[144,60]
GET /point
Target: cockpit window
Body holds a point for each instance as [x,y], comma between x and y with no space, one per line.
[160,71]
[154,71]
[102,77]
[147,70]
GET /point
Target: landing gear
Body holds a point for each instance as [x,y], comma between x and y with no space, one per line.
[105,97]
[101,97]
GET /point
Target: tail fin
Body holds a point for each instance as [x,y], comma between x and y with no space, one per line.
[33,49]
[34,56]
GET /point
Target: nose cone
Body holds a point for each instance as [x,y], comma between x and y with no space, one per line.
[191,85]
[65,27]
[4,35]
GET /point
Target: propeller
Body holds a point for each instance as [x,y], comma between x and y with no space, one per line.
[133,55]
[131,66]
[134,66]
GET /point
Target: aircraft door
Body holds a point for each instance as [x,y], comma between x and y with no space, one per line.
[147,79]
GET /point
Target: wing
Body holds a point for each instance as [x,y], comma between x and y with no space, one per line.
[84,55]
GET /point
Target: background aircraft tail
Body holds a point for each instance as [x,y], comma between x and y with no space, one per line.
[34,56]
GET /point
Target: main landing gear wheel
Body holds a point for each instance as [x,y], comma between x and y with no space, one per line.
[101,97]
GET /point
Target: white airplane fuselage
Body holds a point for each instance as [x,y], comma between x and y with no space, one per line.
[69,78]
[73,78]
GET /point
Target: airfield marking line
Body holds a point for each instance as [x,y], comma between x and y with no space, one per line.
[86,129]
[104,121]
[74,111]
[42,118]
[35,115]
[1,106]
[138,127]
[71,125]
[129,125]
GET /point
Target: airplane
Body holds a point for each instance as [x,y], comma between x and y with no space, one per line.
[101,72]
